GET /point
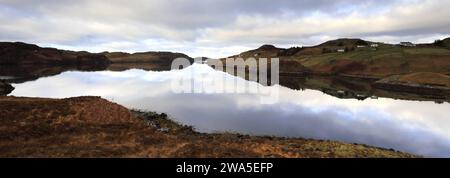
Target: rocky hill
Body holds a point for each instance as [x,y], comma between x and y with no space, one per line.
[144,57]
[28,61]
[264,51]
[17,53]
[357,57]
[144,60]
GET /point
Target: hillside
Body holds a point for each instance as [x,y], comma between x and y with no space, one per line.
[425,78]
[144,60]
[28,61]
[287,65]
[94,127]
[266,51]
[381,62]
[163,58]
[17,53]
[326,47]
[446,42]
[289,58]
[346,44]
[359,58]
[22,54]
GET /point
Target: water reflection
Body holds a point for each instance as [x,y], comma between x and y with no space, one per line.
[24,73]
[413,126]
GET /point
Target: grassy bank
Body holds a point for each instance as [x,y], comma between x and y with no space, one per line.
[94,127]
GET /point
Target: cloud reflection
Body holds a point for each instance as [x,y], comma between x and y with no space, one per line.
[417,127]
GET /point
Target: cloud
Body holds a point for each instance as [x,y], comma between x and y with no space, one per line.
[205,27]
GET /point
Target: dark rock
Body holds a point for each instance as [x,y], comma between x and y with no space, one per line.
[5,88]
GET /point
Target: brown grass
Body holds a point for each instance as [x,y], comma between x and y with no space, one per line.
[426,78]
[94,127]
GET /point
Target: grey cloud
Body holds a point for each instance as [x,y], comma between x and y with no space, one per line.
[178,13]
[216,23]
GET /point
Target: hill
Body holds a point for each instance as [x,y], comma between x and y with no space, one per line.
[144,57]
[332,46]
[265,51]
[18,53]
[382,61]
[143,60]
[358,58]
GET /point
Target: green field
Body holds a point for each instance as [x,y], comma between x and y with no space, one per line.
[381,61]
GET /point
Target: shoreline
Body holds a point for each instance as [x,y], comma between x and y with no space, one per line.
[5,88]
[383,83]
[95,127]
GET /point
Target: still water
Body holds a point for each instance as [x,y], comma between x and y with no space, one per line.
[420,127]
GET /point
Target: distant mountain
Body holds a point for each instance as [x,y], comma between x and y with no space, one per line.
[143,60]
[18,53]
[268,50]
[143,57]
[351,42]
[345,56]
[342,44]
[263,51]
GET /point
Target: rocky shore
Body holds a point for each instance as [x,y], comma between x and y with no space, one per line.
[425,83]
[94,127]
[5,88]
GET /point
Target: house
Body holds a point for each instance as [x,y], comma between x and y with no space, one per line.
[341,50]
[407,44]
[374,45]
[360,46]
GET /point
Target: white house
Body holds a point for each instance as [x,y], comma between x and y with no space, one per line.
[374,45]
[341,50]
[360,46]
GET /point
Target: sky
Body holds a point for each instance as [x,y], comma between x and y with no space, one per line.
[217,28]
